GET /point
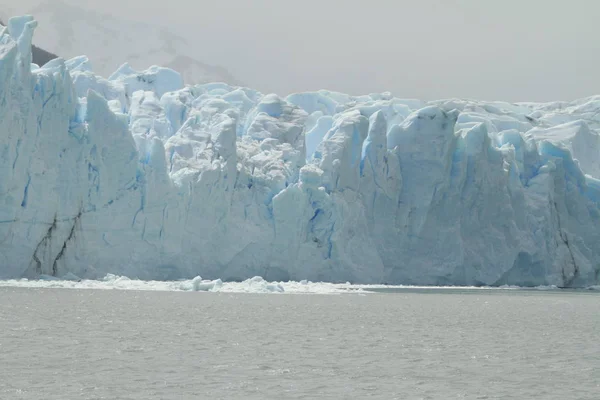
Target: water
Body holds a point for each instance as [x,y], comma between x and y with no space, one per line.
[410,344]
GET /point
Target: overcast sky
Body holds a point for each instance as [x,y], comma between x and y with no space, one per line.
[515,50]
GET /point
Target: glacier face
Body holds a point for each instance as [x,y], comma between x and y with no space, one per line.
[138,175]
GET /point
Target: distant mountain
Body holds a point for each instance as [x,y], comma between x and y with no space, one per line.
[40,56]
[108,41]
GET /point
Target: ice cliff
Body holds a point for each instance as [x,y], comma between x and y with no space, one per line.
[140,176]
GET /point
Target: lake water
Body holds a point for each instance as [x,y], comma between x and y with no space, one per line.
[407,344]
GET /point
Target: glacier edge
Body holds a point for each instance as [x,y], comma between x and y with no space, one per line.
[138,175]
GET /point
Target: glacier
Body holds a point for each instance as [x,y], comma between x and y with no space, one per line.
[139,175]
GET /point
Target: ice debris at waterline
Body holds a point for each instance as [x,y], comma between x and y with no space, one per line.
[197,284]
[253,285]
[137,175]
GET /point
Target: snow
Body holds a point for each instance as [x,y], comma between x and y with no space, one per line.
[139,175]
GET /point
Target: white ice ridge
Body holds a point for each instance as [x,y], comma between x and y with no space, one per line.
[138,175]
[253,285]
[197,284]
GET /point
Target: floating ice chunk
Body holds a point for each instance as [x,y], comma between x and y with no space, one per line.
[200,285]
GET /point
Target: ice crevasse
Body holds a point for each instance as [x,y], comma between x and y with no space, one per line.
[138,175]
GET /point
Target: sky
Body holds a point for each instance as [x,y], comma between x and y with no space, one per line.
[512,50]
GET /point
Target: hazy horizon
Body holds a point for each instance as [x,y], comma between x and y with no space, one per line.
[512,51]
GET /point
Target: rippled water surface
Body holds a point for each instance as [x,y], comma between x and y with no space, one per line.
[409,344]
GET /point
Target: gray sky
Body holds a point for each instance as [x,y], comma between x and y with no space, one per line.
[515,50]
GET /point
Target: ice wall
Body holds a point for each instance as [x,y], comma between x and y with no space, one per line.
[138,175]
